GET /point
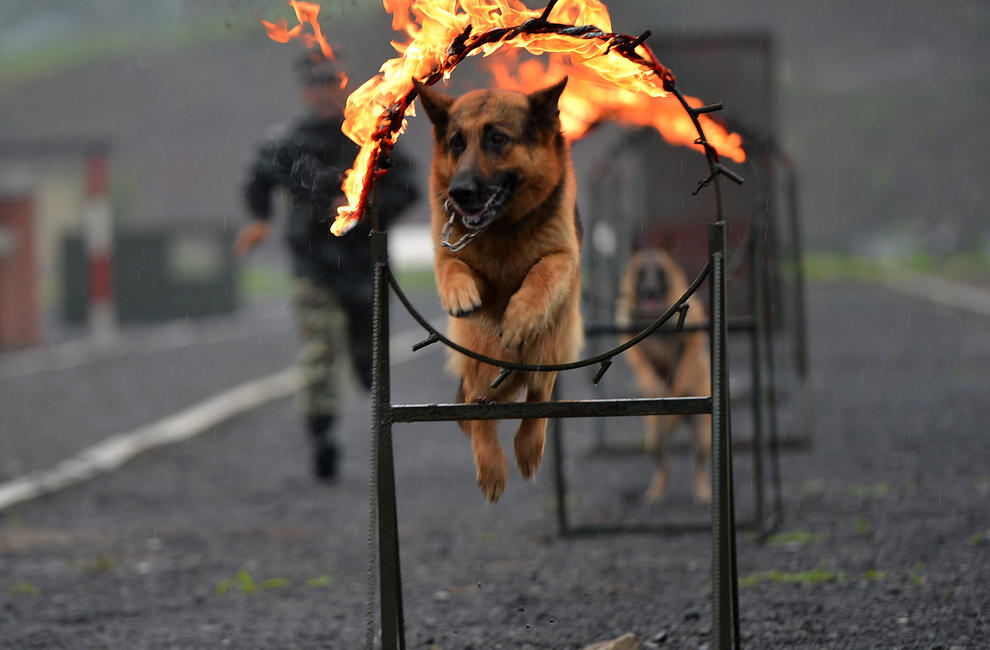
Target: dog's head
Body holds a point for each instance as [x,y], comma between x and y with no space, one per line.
[652,283]
[498,153]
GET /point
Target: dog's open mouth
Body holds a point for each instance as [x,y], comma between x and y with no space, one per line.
[480,216]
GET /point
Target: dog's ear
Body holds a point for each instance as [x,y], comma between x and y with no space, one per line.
[543,106]
[436,105]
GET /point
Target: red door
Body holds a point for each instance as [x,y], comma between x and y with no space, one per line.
[18,284]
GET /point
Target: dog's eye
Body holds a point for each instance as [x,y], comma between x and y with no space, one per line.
[497,139]
[457,143]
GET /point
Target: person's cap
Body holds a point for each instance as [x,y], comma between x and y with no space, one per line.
[314,68]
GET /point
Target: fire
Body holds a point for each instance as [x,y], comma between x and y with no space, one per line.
[588,100]
[306,14]
[613,76]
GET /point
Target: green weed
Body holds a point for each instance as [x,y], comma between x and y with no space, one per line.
[319,582]
[242,580]
[917,577]
[876,575]
[815,576]
[875,491]
[23,589]
[796,537]
[863,527]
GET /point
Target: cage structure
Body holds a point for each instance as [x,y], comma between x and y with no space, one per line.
[635,193]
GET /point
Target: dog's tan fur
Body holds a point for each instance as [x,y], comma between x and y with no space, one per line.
[513,291]
[667,365]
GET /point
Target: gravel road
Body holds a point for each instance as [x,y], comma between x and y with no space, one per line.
[225,541]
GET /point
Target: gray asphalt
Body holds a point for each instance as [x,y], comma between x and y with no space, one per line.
[225,541]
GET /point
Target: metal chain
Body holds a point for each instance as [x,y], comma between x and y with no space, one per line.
[449,226]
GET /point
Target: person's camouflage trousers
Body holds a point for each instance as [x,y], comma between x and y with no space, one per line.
[323,332]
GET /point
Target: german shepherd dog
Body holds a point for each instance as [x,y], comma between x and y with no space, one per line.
[666,365]
[502,186]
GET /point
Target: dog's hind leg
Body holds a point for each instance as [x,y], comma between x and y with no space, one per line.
[655,442]
[703,452]
[531,434]
[489,459]
[465,425]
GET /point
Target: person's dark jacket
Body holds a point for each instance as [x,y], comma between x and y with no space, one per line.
[308,159]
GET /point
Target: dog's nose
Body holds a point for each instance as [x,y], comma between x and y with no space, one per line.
[465,191]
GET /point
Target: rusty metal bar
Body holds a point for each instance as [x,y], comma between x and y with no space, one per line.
[725,604]
[560,409]
[757,402]
[390,573]
[734,323]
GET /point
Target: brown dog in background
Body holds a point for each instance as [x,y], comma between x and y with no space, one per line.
[666,365]
[502,184]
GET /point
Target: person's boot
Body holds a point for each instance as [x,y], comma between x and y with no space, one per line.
[325,452]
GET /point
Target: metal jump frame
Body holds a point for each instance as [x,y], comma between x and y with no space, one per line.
[755,329]
[383,522]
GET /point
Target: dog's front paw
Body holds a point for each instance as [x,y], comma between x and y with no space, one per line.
[519,323]
[460,296]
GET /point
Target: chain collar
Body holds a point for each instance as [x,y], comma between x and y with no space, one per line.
[449,226]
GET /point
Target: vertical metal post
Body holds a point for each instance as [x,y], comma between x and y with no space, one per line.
[390,575]
[756,306]
[725,600]
[559,478]
[800,325]
[773,438]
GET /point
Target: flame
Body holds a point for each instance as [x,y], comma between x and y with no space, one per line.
[588,100]
[306,13]
[605,82]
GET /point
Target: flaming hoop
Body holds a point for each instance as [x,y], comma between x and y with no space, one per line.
[444,32]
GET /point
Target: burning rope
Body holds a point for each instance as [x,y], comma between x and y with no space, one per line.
[373,160]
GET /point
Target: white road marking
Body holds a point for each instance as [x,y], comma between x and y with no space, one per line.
[117,449]
[946,292]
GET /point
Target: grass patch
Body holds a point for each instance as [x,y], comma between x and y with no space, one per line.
[820,266]
[813,487]
[416,279]
[242,581]
[875,491]
[917,577]
[795,537]
[101,45]
[319,582]
[863,527]
[23,589]
[265,281]
[816,576]
[876,575]
[832,267]
[977,539]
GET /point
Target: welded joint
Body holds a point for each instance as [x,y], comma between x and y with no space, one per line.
[602,369]
[430,340]
[502,376]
